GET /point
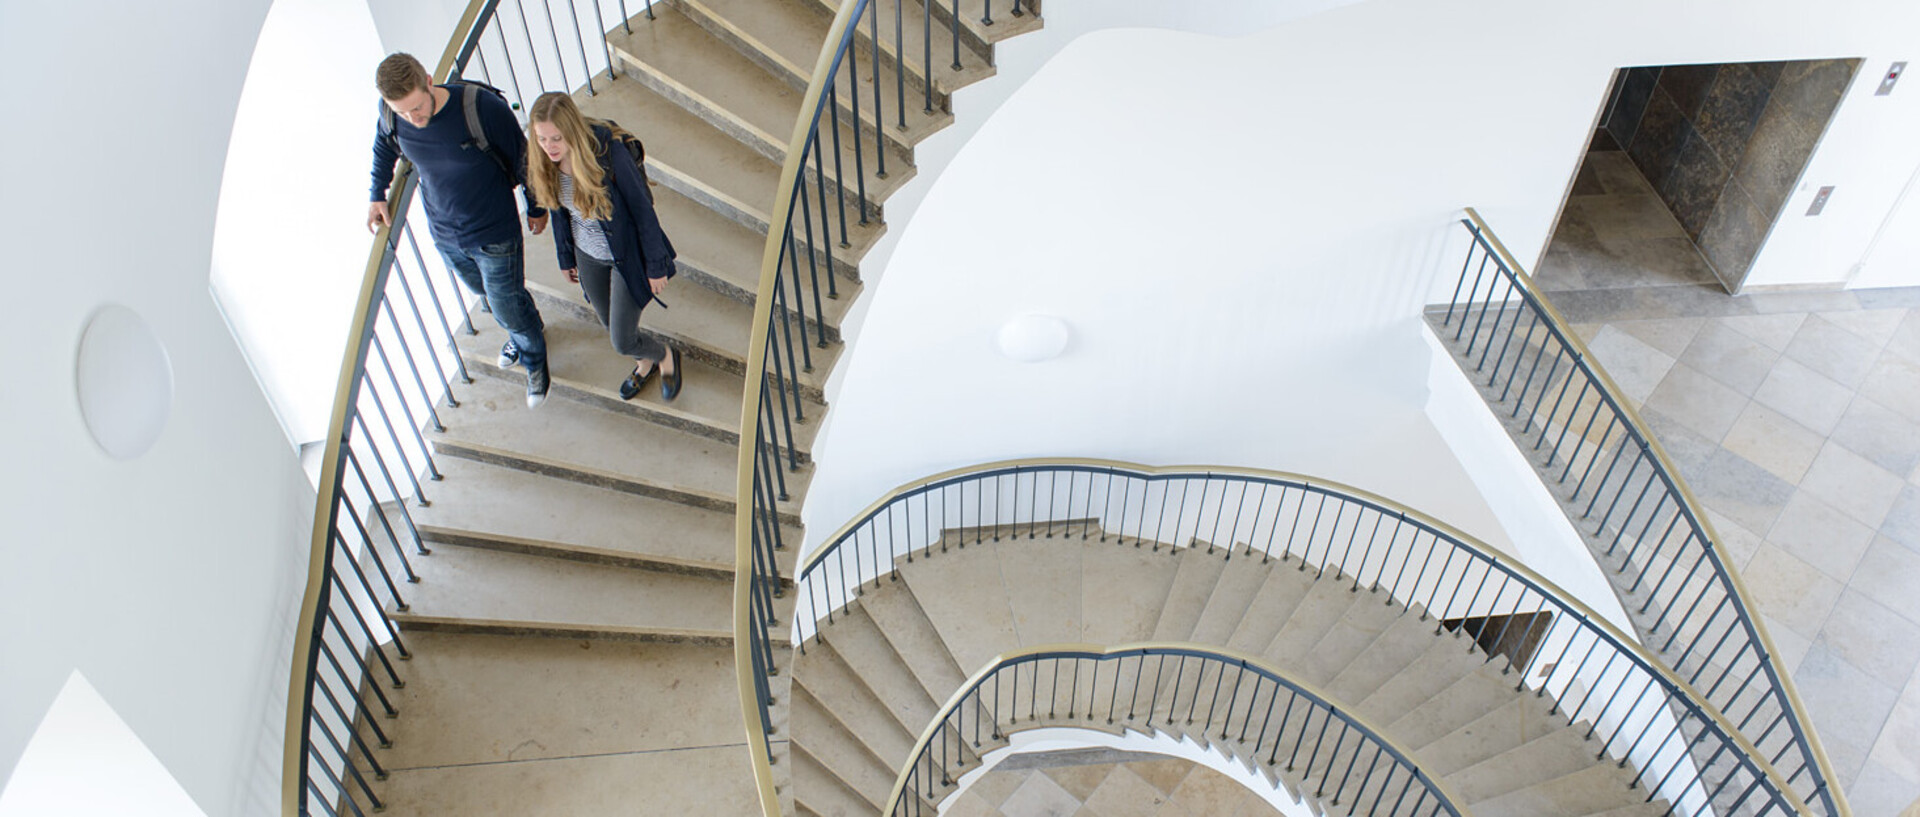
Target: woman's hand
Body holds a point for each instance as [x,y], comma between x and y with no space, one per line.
[658,285]
[573,275]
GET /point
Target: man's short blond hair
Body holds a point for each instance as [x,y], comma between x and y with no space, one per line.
[400,75]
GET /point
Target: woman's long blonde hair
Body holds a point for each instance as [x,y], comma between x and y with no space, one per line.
[589,187]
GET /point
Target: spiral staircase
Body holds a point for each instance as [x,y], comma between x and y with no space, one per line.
[542,612]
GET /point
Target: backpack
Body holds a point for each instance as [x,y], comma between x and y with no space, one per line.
[634,148]
[469,104]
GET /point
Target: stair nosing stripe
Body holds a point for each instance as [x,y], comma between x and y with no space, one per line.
[503,543]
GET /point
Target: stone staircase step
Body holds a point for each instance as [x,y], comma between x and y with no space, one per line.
[1006,24]
[858,641]
[1442,664]
[965,598]
[585,369]
[1512,724]
[913,637]
[831,682]
[1405,641]
[706,326]
[784,37]
[591,521]
[684,62]
[1243,577]
[1279,595]
[1595,789]
[459,584]
[1043,579]
[718,777]
[911,20]
[1200,569]
[819,735]
[1451,708]
[1326,601]
[486,699]
[1367,616]
[583,444]
[1121,590]
[817,791]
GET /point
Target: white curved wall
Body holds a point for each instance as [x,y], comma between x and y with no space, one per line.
[169,580]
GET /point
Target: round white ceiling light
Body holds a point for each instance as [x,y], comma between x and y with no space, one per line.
[1033,338]
[124,380]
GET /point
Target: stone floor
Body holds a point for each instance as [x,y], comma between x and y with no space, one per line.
[1105,783]
[1796,420]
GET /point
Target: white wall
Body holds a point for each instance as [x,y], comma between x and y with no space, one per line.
[289,244]
[168,579]
[1242,232]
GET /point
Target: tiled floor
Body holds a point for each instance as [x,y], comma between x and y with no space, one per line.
[1796,420]
[1105,783]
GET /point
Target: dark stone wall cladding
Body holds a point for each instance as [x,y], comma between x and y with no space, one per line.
[1725,144]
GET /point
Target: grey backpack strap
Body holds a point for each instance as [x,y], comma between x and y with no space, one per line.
[470,101]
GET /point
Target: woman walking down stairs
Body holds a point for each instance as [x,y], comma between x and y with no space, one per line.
[550,628]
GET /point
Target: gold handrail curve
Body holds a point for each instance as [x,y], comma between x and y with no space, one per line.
[1462,538]
[1694,508]
[1440,787]
[757,745]
[351,366]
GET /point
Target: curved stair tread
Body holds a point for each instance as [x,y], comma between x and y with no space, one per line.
[1597,789]
[466,506]
[912,635]
[1121,590]
[817,791]
[1228,605]
[1316,614]
[965,599]
[484,585]
[859,642]
[1367,617]
[840,753]
[1193,581]
[842,691]
[572,441]
[473,699]
[719,778]
[1279,595]
[1506,727]
[1393,652]
[1451,708]
[975,63]
[1042,576]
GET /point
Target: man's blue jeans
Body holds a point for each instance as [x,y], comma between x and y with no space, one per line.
[499,272]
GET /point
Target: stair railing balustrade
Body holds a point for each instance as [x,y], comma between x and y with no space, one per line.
[401,363]
[1312,745]
[1639,710]
[1642,522]
[818,203]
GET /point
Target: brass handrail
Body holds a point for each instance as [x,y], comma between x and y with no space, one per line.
[1619,638]
[757,345]
[352,366]
[1441,790]
[1695,509]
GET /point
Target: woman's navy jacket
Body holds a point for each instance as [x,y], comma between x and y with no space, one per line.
[640,248]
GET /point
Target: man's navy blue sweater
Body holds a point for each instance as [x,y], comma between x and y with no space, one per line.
[469,198]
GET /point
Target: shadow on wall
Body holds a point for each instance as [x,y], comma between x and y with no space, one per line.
[1725,145]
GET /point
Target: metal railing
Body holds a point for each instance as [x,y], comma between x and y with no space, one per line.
[1638,709]
[1624,493]
[400,365]
[1307,741]
[869,92]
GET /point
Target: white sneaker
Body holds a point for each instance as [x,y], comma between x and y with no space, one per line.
[537,383]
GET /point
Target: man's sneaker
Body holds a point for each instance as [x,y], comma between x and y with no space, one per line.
[509,355]
[536,387]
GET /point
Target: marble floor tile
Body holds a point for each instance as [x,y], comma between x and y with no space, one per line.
[1790,647]
[1790,591]
[1880,434]
[1848,706]
[1634,365]
[1768,439]
[1123,794]
[1730,357]
[1905,340]
[1805,396]
[1697,401]
[1880,790]
[1627,216]
[1899,746]
[1740,490]
[1829,301]
[1772,331]
[1206,791]
[1670,336]
[1738,542]
[1869,636]
[1894,382]
[1041,797]
[1821,536]
[1690,451]
[1890,574]
[1857,487]
[1876,326]
[1902,524]
[1824,347]
[1888,298]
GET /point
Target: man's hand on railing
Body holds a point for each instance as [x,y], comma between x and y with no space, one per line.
[376,216]
[538,225]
